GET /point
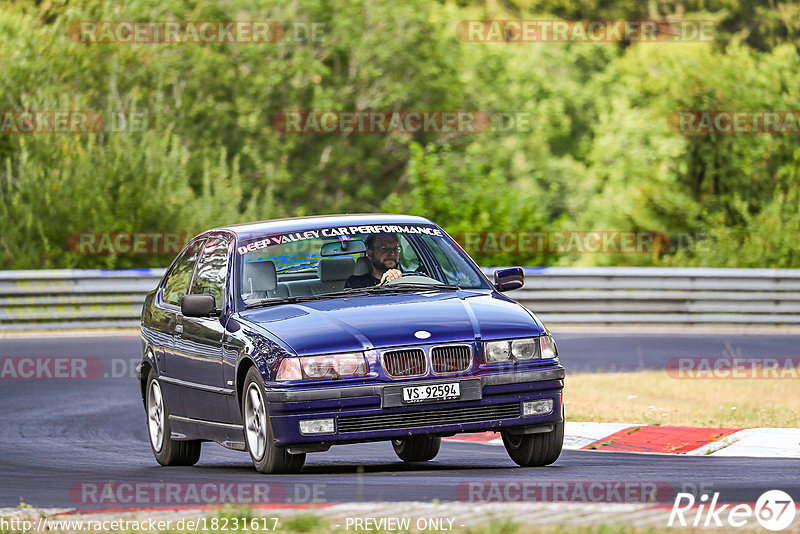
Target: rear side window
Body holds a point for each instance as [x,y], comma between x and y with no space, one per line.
[177,285]
[212,270]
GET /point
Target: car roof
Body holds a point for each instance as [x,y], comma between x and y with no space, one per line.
[294,224]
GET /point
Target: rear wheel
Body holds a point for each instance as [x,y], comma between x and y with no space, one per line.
[535,450]
[167,451]
[267,457]
[419,449]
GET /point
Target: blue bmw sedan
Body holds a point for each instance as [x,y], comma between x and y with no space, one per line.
[285,337]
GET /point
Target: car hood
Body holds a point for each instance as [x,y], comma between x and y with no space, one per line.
[378,321]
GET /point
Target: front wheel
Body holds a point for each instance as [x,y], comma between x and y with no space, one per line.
[167,451]
[535,450]
[419,449]
[267,457]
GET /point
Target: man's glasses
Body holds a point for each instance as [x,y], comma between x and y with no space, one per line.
[398,249]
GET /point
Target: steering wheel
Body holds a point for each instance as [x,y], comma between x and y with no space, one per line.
[413,279]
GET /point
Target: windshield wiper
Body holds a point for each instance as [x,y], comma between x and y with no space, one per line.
[400,287]
[305,298]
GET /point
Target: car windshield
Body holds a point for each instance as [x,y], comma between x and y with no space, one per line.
[316,263]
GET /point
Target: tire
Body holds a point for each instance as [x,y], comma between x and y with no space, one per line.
[419,449]
[167,451]
[535,450]
[267,457]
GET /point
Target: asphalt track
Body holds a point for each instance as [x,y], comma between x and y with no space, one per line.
[58,435]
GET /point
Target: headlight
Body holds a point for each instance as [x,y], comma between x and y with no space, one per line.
[328,366]
[526,348]
[497,351]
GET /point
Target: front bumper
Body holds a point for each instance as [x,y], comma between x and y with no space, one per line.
[375,412]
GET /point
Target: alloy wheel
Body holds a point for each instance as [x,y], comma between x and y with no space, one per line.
[255,421]
[155,415]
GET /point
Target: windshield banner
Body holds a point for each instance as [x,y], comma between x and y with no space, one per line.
[340,232]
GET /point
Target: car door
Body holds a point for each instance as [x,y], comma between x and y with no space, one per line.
[198,351]
[168,310]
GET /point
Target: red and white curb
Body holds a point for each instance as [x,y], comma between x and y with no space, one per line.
[694,441]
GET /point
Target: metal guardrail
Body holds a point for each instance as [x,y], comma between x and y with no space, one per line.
[654,295]
[71,298]
[61,299]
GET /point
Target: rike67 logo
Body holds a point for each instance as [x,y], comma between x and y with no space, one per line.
[774,510]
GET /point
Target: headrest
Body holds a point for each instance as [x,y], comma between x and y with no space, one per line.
[259,276]
[335,269]
[363,266]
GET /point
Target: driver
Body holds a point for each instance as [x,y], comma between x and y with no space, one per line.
[383,251]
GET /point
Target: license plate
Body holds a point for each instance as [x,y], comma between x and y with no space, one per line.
[432,392]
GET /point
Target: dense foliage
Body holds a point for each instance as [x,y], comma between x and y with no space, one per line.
[598,153]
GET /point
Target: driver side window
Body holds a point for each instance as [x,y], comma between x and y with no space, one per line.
[212,270]
[177,285]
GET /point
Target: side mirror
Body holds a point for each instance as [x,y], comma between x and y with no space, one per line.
[508,279]
[198,305]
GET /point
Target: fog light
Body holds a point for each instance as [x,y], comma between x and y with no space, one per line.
[537,407]
[319,426]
